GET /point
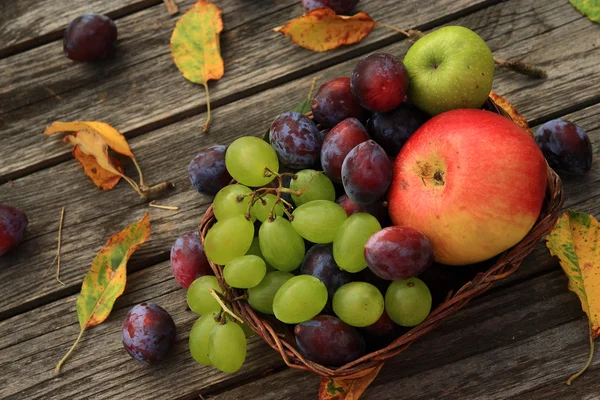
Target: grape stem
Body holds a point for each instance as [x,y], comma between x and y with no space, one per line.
[214,294]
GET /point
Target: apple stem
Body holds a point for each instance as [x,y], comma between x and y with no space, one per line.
[521,68]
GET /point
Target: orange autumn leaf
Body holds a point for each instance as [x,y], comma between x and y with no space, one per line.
[350,388]
[512,111]
[93,145]
[322,29]
[103,179]
[113,138]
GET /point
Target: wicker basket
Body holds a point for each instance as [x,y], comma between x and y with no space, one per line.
[279,337]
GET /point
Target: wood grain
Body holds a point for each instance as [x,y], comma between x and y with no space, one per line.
[151,92]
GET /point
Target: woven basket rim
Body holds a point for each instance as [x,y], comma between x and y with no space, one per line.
[507,263]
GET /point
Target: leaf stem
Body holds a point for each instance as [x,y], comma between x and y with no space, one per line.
[214,294]
[62,217]
[153,204]
[589,361]
[207,124]
[62,361]
[521,68]
[139,170]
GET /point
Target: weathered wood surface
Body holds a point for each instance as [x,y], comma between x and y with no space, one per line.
[522,339]
[164,154]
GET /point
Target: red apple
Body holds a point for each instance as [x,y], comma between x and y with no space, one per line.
[472,181]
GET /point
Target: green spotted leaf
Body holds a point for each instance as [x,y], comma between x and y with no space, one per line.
[105,281]
[589,8]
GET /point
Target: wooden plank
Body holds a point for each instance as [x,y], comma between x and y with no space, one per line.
[164,154]
[28,23]
[153,93]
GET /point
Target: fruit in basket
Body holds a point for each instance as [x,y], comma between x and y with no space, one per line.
[566,146]
[229,238]
[207,170]
[329,341]
[282,247]
[91,37]
[393,128]
[358,304]
[232,200]
[314,185]
[340,7]
[227,347]
[199,335]
[296,140]
[260,297]
[299,299]
[12,227]
[340,140]
[384,327]
[376,209]
[408,302]
[472,181]
[318,221]
[366,173]
[249,159]
[349,242]
[379,82]
[199,298]
[398,252]
[263,206]
[254,250]
[334,102]
[244,272]
[148,333]
[319,262]
[449,68]
[188,260]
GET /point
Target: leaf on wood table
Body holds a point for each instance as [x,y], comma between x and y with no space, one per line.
[113,138]
[103,179]
[195,46]
[574,240]
[91,144]
[589,8]
[322,29]
[349,388]
[105,281]
[512,111]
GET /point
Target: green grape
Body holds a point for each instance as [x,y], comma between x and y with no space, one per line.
[408,301]
[226,203]
[199,335]
[246,159]
[227,347]
[319,220]
[199,298]
[229,238]
[358,304]
[247,330]
[349,242]
[299,299]
[244,272]
[254,250]
[261,296]
[263,206]
[281,246]
[320,188]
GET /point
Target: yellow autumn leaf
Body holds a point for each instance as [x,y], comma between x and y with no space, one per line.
[92,144]
[103,179]
[113,138]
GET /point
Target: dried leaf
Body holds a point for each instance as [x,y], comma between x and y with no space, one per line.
[512,111]
[589,8]
[322,29]
[574,240]
[105,281]
[93,145]
[195,46]
[113,138]
[349,388]
[102,178]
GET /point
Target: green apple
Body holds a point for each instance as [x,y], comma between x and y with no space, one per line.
[449,68]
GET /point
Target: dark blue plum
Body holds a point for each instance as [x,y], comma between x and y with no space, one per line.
[319,262]
[337,144]
[393,128]
[91,37]
[12,227]
[207,170]
[188,260]
[334,103]
[566,146]
[148,333]
[296,140]
[341,7]
[366,173]
[328,341]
